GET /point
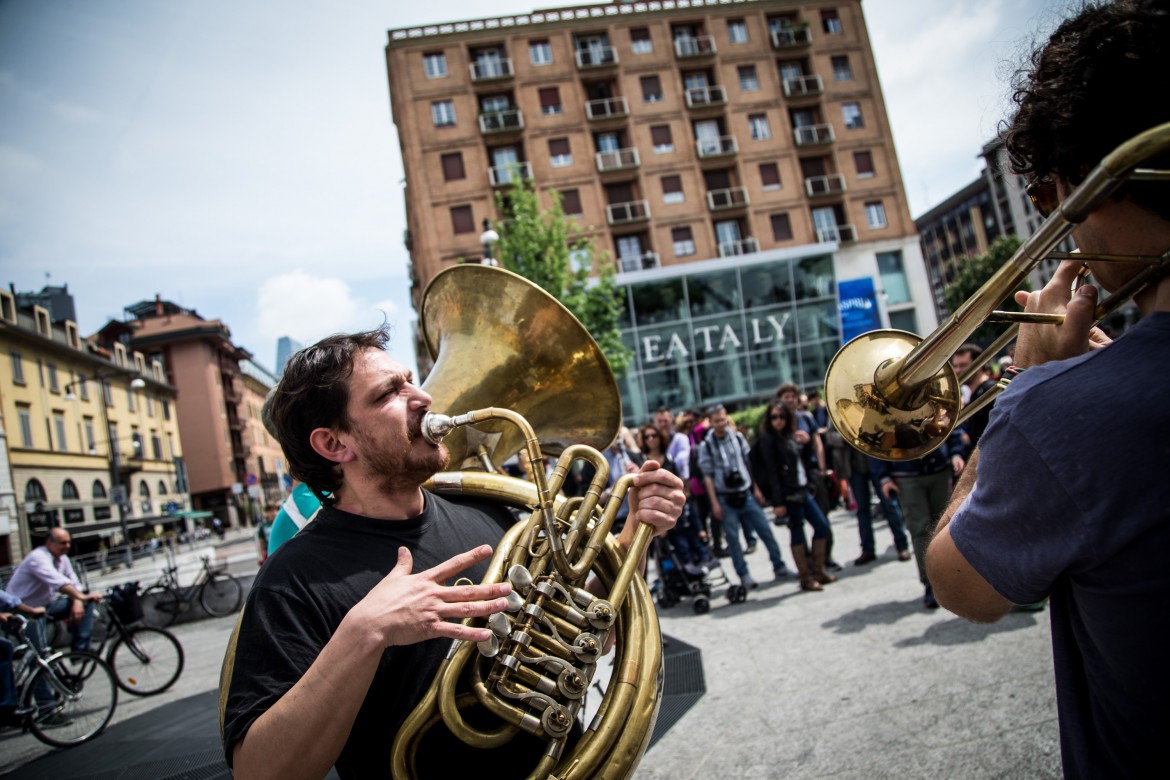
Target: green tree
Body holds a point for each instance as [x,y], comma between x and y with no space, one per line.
[538,243]
[972,275]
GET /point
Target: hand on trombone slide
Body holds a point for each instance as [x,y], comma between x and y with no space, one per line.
[1074,334]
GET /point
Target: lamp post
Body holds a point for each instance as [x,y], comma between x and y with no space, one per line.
[488,238]
[137,383]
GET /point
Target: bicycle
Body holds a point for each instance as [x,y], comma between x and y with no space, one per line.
[145,660]
[82,690]
[219,594]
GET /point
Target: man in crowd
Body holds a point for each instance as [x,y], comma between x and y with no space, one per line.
[45,578]
[977,385]
[1063,498]
[338,643]
[11,713]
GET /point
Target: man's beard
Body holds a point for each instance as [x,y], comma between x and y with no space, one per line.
[395,464]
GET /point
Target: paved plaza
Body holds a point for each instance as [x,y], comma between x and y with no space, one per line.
[858,681]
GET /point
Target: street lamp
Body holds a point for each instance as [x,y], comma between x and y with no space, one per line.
[488,238]
[137,383]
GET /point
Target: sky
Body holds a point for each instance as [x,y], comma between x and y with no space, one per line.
[240,159]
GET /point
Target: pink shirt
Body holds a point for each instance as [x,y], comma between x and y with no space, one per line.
[38,577]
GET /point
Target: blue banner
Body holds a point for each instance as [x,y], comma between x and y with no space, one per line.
[858,305]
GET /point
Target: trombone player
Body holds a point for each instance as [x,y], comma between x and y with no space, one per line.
[1064,499]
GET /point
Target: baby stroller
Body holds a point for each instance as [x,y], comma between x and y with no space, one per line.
[678,580]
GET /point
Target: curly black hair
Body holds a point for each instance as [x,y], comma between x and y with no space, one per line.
[314,393]
[1100,80]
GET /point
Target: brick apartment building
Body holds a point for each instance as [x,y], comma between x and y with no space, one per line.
[735,158]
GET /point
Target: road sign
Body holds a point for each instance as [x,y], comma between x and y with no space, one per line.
[252,479]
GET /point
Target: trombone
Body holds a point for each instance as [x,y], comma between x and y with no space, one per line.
[894,395]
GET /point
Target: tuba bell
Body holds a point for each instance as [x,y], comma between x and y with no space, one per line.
[497,338]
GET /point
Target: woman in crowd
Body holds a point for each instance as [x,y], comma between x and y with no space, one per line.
[685,535]
[780,475]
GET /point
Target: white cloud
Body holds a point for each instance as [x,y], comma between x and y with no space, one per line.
[308,307]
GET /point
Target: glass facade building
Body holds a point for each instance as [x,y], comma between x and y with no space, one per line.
[711,332]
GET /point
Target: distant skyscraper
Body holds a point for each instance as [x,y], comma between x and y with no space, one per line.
[285,348]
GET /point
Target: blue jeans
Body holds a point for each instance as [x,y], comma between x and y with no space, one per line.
[799,512]
[860,485]
[749,514]
[7,681]
[59,609]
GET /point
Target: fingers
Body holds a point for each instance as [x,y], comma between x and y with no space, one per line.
[1078,320]
[471,609]
[472,593]
[449,568]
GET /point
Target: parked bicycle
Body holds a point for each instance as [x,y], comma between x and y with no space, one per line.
[73,693]
[218,592]
[145,660]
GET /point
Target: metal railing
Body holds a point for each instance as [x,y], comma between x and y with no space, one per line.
[842,234]
[487,70]
[811,135]
[803,86]
[596,57]
[791,37]
[745,246]
[831,184]
[617,160]
[702,97]
[716,147]
[508,120]
[607,108]
[512,173]
[727,198]
[642,262]
[696,46]
[631,211]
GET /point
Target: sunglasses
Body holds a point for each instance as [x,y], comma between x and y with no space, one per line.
[1042,193]
[775,417]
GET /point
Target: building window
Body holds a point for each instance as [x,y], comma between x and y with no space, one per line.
[89,440]
[672,189]
[894,283]
[156,446]
[443,113]
[875,214]
[550,101]
[748,80]
[69,491]
[863,161]
[540,52]
[571,202]
[831,22]
[130,399]
[452,171]
[53,386]
[841,69]
[781,227]
[17,368]
[461,219]
[59,427]
[737,31]
[758,127]
[166,405]
[26,434]
[640,42]
[435,65]
[149,405]
[770,176]
[34,491]
[684,242]
[559,152]
[651,89]
[852,114]
[99,490]
[661,138]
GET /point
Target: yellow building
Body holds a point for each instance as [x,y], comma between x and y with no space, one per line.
[91,435]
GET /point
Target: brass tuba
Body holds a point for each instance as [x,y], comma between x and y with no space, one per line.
[497,336]
[894,395]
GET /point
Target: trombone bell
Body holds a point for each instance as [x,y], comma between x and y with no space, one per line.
[898,425]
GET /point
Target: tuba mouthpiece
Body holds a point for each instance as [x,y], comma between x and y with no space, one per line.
[435,426]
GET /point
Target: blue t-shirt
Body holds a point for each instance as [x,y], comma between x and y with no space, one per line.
[304,503]
[1071,502]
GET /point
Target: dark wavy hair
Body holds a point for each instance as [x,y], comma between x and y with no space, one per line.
[314,393]
[1095,84]
[766,430]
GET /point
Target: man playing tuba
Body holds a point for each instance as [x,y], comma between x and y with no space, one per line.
[1064,499]
[339,639]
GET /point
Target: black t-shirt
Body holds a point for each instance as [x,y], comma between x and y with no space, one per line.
[307,587]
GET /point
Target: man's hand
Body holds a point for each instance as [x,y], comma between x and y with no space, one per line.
[890,489]
[656,498]
[801,436]
[780,510]
[957,464]
[36,612]
[1038,344]
[406,608]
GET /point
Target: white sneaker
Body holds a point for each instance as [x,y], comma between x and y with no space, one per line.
[748,583]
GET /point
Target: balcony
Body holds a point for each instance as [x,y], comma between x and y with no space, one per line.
[642,262]
[791,38]
[698,46]
[813,135]
[842,234]
[803,86]
[491,70]
[509,120]
[706,97]
[607,108]
[820,186]
[596,57]
[506,175]
[617,160]
[722,146]
[625,213]
[729,198]
[745,246]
